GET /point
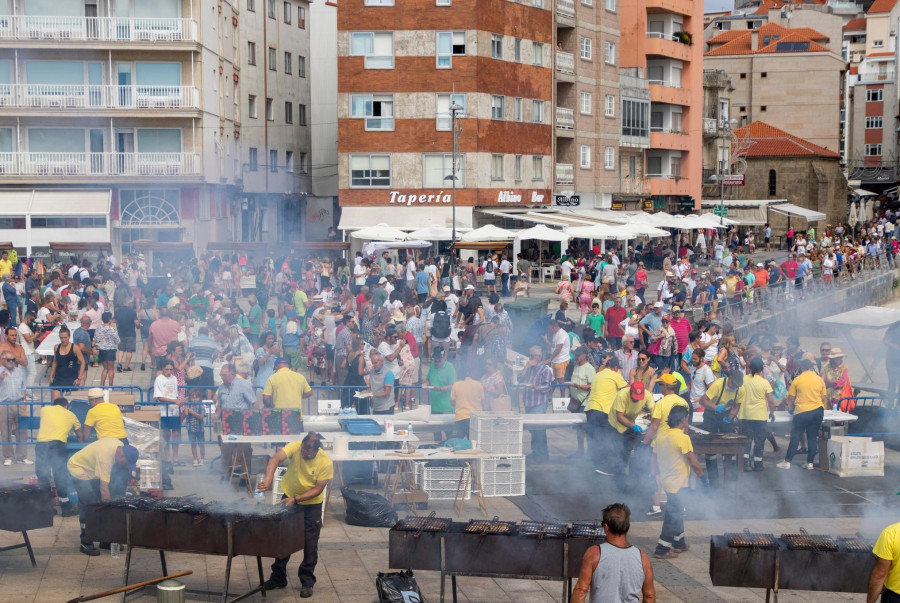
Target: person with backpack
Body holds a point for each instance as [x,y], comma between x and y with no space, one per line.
[440,326]
[490,274]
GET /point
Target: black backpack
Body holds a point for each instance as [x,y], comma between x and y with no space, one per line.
[440,328]
[490,267]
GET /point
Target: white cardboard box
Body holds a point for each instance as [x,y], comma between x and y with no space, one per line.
[855,456]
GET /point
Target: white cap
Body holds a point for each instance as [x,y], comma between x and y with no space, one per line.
[470,287]
[658,304]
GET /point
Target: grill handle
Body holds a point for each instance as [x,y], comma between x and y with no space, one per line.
[128,587]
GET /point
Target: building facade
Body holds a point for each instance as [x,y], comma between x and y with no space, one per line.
[187,115]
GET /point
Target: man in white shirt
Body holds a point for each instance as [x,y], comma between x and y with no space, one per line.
[505,270]
[701,378]
[452,301]
[74,269]
[559,351]
[718,251]
[566,269]
[411,275]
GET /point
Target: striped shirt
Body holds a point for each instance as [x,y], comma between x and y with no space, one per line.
[541,377]
[203,348]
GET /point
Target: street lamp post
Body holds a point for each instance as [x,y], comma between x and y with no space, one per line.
[726,131]
[455,131]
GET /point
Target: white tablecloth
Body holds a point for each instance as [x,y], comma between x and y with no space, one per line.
[50,341]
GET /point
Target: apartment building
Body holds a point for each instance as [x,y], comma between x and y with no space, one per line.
[661,40]
[178,122]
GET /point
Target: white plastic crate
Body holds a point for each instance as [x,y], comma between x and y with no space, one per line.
[503,476]
[276,485]
[441,483]
[500,433]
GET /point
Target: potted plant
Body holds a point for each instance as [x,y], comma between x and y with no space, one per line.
[683,37]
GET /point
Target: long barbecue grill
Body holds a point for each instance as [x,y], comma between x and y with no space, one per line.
[792,561]
[25,507]
[188,525]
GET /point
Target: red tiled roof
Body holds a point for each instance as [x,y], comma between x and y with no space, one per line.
[769,141]
[726,36]
[854,70]
[855,25]
[881,6]
[881,54]
[766,5]
[739,42]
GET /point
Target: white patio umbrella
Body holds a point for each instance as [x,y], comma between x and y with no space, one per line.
[644,230]
[713,221]
[434,233]
[379,232]
[489,233]
[542,232]
[600,232]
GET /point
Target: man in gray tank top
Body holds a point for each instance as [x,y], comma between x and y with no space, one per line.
[615,571]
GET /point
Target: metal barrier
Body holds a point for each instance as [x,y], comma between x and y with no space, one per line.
[876,416]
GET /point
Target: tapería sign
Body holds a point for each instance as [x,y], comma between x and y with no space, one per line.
[514,197]
[398,198]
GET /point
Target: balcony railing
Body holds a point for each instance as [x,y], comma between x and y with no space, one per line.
[632,186]
[99,164]
[661,36]
[876,76]
[709,125]
[113,29]
[565,62]
[565,173]
[566,8]
[664,176]
[565,118]
[57,96]
[669,83]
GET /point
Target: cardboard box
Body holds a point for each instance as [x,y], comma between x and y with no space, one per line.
[855,456]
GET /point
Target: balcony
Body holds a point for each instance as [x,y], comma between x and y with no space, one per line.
[56,96]
[875,77]
[710,127]
[662,91]
[669,139]
[633,186]
[90,29]
[565,173]
[100,164]
[565,66]
[678,7]
[666,45]
[565,13]
[667,184]
[565,122]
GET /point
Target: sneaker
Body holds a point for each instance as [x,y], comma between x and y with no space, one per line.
[757,466]
[810,466]
[127,369]
[89,550]
[602,472]
[783,465]
[654,511]
[143,366]
[306,592]
[25,462]
[196,463]
[7,462]
[200,463]
[119,368]
[270,584]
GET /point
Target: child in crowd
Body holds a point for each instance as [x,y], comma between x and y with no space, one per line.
[193,411]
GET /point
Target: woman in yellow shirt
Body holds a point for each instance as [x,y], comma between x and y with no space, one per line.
[806,397]
[754,412]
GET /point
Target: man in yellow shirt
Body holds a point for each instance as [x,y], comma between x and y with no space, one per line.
[97,474]
[754,413]
[628,405]
[104,417]
[720,399]
[57,421]
[5,264]
[675,456]
[309,471]
[601,436]
[285,388]
[885,577]
[466,396]
[668,385]
[806,401]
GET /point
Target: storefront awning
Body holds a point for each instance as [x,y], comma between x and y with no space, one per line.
[744,212]
[559,218]
[789,209]
[148,245]
[79,246]
[403,217]
[41,202]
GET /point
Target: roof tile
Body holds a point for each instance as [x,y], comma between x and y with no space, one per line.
[768,141]
[855,25]
[881,6]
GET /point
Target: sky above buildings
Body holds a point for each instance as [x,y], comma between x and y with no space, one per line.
[714,6]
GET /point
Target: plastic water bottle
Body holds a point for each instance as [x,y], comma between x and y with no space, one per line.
[114,550]
[259,494]
[409,431]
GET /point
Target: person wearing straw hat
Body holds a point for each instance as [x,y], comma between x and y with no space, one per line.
[836,375]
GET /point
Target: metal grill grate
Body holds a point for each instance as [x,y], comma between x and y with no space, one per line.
[854,544]
[542,530]
[746,539]
[494,526]
[424,524]
[590,531]
[809,542]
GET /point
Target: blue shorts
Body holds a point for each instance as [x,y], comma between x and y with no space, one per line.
[173,423]
[196,437]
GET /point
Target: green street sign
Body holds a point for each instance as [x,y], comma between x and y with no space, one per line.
[720,211]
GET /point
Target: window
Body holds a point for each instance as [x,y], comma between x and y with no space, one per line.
[437,170]
[496,107]
[442,2]
[874,96]
[584,104]
[874,123]
[873,150]
[610,110]
[743,76]
[273,60]
[762,107]
[251,6]
[538,3]
[517,50]
[270,8]
[496,167]
[288,112]
[586,48]
[587,2]
[444,101]
[376,109]
[496,46]
[764,74]
[304,164]
[537,167]
[287,63]
[379,2]
[251,106]
[251,53]
[609,158]
[370,170]
[518,168]
[450,44]
[289,161]
[635,116]
[585,157]
[376,46]
[773,182]
[538,49]
[610,53]
[270,110]
[288,11]
[537,111]
[301,66]
[253,159]
[301,114]
[518,109]
[301,17]
[273,161]
[877,43]
[611,5]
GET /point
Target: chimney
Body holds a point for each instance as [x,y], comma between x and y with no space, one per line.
[754,40]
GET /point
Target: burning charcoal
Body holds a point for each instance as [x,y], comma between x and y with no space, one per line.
[809,542]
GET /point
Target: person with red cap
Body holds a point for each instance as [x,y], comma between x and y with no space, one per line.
[629,403]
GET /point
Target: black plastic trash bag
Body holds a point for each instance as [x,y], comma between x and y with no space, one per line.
[368,510]
[398,587]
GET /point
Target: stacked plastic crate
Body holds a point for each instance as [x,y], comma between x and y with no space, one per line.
[442,479]
[500,434]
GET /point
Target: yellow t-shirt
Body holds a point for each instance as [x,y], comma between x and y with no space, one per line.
[286,388]
[631,408]
[809,392]
[301,475]
[107,421]
[663,408]
[5,267]
[95,460]
[674,468]
[56,423]
[888,547]
[728,396]
[468,396]
[606,385]
[755,407]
